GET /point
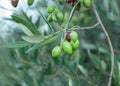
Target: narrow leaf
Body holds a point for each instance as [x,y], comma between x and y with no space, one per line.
[33,39]
[23,21]
[83,70]
[25,30]
[95,59]
[70,82]
[42,43]
[19,44]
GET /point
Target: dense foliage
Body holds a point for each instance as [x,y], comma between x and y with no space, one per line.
[45,47]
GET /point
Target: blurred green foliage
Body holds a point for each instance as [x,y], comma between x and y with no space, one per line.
[89,65]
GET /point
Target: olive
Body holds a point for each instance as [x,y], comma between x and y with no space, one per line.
[75,44]
[87,3]
[67,48]
[73,36]
[51,9]
[56,51]
[30,2]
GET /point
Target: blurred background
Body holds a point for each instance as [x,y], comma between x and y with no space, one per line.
[90,64]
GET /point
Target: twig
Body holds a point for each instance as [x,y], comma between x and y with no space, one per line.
[110,45]
[46,21]
[90,27]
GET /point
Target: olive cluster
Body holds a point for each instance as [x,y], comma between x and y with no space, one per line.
[55,14]
[69,45]
[86,3]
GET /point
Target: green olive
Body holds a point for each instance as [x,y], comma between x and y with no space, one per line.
[30,2]
[67,48]
[74,36]
[60,16]
[87,3]
[51,9]
[50,19]
[56,51]
[81,1]
[54,18]
[75,44]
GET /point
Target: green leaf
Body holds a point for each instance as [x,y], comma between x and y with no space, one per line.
[26,30]
[106,5]
[19,44]
[83,70]
[95,59]
[42,43]
[19,19]
[103,65]
[70,82]
[34,38]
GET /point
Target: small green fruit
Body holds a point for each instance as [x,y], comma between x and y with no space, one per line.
[54,18]
[67,48]
[56,51]
[81,1]
[74,36]
[75,44]
[87,3]
[60,16]
[51,9]
[30,2]
[50,19]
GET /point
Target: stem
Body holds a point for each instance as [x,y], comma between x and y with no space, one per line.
[83,28]
[68,21]
[90,27]
[71,14]
[45,20]
[110,45]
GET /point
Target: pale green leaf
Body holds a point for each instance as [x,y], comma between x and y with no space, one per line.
[19,44]
[83,70]
[34,38]
[25,30]
[42,43]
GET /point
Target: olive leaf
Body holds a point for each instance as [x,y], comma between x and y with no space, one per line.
[95,59]
[42,43]
[19,44]
[33,38]
[21,20]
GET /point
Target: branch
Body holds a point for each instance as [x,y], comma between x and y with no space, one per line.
[90,27]
[110,45]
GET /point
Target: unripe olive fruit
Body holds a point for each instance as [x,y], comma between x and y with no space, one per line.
[54,18]
[51,9]
[50,19]
[60,16]
[56,51]
[87,3]
[81,1]
[75,44]
[14,2]
[67,48]
[74,36]
[30,2]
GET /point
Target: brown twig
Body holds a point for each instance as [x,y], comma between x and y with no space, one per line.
[110,45]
